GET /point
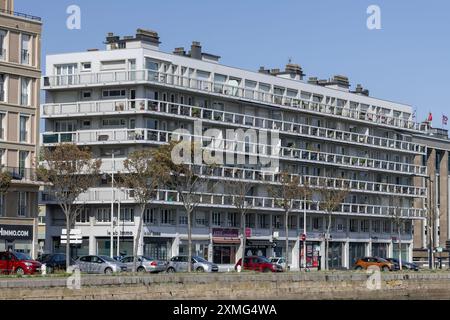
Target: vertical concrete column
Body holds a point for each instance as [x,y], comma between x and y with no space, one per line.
[176,245]
[390,249]
[346,255]
[369,248]
[322,254]
[295,254]
[443,195]
[210,247]
[92,246]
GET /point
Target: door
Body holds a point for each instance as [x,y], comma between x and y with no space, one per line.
[183,264]
[128,262]
[84,264]
[96,264]
[132,97]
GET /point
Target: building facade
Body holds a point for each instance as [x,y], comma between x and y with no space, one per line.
[20,38]
[132,96]
[433,232]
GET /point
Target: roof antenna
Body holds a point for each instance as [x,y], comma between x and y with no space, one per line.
[289,60]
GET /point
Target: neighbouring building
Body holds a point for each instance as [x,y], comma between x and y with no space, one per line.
[132,96]
[20,56]
[437,182]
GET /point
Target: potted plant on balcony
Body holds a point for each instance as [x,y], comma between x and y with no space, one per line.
[196,112]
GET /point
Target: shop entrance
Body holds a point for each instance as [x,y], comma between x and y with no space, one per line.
[312,254]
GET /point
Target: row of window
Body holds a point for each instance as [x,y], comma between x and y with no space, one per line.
[22,205]
[24,127]
[24,98]
[24,161]
[25,49]
[231,219]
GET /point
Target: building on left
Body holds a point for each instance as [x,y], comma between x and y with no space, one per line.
[20,56]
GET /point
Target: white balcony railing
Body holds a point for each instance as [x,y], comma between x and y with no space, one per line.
[258,203]
[259,176]
[228,118]
[291,103]
[150,136]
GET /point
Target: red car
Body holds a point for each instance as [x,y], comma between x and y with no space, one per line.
[18,263]
[261,264]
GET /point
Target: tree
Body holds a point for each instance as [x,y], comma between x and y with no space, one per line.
[285,195]
[182,177]
[331,200]
[5,182]
[239,190]
[141,177]
[69,171]
[396,216]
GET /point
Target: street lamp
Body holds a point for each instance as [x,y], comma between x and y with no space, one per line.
[113,166]
[430,228]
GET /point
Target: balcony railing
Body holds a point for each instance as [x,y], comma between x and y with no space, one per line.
[21,174]
[257,203]
[290,103]
[228,118]
[223,145]
[259,176]
[21,15]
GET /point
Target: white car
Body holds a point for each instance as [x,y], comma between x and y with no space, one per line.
[279,260]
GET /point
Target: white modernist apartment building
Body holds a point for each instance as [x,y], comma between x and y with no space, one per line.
[132,96]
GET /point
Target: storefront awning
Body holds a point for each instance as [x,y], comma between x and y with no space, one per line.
[224,240]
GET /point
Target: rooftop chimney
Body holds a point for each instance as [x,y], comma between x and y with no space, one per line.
[148,36]
[263,70]
[360,90]
[196,50]
[111,38]
[179,51]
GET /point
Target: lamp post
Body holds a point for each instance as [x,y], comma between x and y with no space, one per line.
[118,226]
[304,232]
[113,167]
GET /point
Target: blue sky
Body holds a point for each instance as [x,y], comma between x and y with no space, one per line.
[407,61]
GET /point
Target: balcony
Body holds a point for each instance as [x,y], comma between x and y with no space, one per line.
[21,174]
[211,200]
[119,136]
[20,15]
[166,79]
[226,118]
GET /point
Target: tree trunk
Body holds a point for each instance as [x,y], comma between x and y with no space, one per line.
[244,238]
[68,240]
[138,238]
[286,229]
[189,213]
[327,242]
[399,248]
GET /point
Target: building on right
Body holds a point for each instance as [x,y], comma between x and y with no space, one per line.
[431,235]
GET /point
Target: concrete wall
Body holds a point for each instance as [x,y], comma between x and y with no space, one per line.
[235,286]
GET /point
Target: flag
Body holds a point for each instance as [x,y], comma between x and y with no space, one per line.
[444,120]
[430,117]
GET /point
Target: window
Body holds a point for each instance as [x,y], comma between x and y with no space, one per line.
[25,92]
[150,216]
[200,219]
[262,221]
[3,42]
[65,126]
[103,215]
[353,225]
[83,216]
[113,122]
[86,94]
[113,65]
[23,127]
[25,55]
[3,87]
[22,204]
[2,205]
[166,216]
[183,220]
[23,156]
[86,66]
[151,65]
[386,226]
[340,227]
[232,219]
[376,226]
[127,214]
[114,93]
[65,74]
[317,223]
[2,125]
[364,225]
[216,217]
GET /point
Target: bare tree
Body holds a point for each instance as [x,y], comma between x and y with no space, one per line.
[141,177]
[69,171]
[240,190]
[331,200]
[286,194]
[184,178]
[396,216]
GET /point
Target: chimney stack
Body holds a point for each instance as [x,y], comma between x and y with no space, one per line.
[196,50]
[179,51]
[148,36]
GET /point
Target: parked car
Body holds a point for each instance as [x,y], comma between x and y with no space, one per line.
[180,264]
[381,263]
[261,264]
[54,262]
[405,264]
[100,264]
[280,261]
[18,263]
[145,264]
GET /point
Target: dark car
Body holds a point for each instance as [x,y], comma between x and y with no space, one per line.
[405,264]
[261,264]
[18,263]
[55,262]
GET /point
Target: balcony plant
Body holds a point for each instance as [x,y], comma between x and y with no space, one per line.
[196,112]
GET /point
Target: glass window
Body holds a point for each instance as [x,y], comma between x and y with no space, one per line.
[2,205]
[25,56]
[127,214]
[22,204]
[24,128]
[103,215]
[83,216]
[25,92]
[2,87]
[3,34]
[150,216]
[216,216]
[353,225]
[23,157]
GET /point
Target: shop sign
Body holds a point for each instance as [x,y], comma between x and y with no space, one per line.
[16,232]
[225,233]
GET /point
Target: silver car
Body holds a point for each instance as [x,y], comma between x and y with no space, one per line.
[100,264]
[180,264]
[145,264]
